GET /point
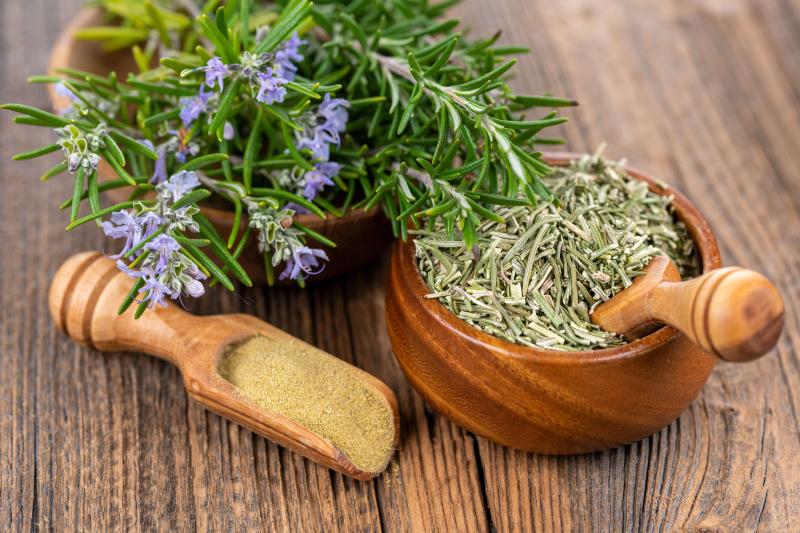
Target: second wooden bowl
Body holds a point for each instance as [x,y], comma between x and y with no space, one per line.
[543,400]
[361,236]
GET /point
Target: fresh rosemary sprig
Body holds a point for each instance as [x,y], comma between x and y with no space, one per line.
[288,108]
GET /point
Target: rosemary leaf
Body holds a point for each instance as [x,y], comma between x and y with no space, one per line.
[37,153]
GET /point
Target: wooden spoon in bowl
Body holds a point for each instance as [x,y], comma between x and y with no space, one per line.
[84,298]
[733,313]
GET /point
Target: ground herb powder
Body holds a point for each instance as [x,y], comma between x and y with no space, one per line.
[535,279]
[318,391]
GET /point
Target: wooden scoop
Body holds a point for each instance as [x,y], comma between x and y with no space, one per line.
[733,313]
[84,297]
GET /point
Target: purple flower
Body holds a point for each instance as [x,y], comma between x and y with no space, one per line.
[317,179]
[303,260]
[63,91]
[190,269]
[191,280]
[194,288]
[327,123]
[215,71]
[123,224]
[193,106]
[186,149]
[228,133]
[82,159]
[176,145]
[270,88]
[160,168]
[319,143]
[164,246]
[151,222]
[166,272]
[179,184]
[129,272]
[299,209]
[131,227]
[334,111]
[287,56]
[156,291]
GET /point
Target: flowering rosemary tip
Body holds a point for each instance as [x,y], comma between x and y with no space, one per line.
[164,268]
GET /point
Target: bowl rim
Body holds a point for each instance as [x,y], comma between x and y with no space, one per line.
[686,212]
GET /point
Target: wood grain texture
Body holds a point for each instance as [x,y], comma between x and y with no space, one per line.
[704,93]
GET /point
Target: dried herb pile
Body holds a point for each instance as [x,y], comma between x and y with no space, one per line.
[534,278]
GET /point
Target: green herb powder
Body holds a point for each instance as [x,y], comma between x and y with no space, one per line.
[535,279]
[319,392]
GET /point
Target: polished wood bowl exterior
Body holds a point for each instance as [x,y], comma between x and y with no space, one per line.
[361,236]
[541,400]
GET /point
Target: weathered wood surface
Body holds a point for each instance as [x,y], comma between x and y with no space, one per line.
[704,93]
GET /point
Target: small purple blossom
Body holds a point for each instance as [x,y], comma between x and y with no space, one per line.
[131,227]
[287,56]
[82,159]
[270,88]
[303,261]
[228,133]
[193,106]
[167,272]
[191,280]
[64,92]
[155,291]
[299,209]
[160,170]
[319,143]
[216,71]
[164,246]
[180,184]
[127,271]
[184,150]
[194,288]
[190,269]
[329,120]
[175,145]
[160,166]
[334,111]
[320,177]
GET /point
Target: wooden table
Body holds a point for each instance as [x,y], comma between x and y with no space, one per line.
[704,93]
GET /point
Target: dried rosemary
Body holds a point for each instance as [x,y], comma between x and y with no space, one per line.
[535,278]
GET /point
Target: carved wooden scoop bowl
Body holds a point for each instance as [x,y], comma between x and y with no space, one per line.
[554,402]
[360,236]
[84,298]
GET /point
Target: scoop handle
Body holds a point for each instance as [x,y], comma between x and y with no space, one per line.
[84,299]
[733,313]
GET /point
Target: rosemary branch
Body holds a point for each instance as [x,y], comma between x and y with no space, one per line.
[286,108]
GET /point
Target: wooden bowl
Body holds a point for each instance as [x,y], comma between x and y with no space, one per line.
[361,236]
[542,400]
